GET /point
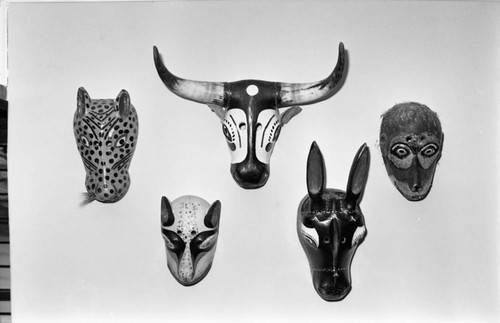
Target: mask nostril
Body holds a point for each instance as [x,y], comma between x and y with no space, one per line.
[416,188]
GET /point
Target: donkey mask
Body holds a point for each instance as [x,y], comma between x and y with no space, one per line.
[330,224]
[249,111]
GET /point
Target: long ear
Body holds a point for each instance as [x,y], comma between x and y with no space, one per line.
[316,172]
[123,100]
[82,99]
[167,216]
[289,114]
[213,215]
[358,177]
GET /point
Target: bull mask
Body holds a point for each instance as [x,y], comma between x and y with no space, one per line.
[330,224]
[411,141]
[106,135]
[249,111]
[190,227]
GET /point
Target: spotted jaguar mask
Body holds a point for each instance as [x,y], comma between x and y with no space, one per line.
[411,142]
[190,228]
[330,224]
[106,133]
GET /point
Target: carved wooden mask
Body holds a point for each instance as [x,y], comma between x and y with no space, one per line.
[411,142]
[190,228]
[106,133]
[330,224]
[252,112]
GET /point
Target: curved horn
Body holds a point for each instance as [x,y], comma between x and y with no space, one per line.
[308,93]
[197,91]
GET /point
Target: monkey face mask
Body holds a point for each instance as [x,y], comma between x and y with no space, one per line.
[411,141]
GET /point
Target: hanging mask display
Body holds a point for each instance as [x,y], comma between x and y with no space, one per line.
[106,133]
[190,228]
[330,224]
[411,142]
[252,112]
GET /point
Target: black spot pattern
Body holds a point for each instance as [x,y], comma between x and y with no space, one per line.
[106,142]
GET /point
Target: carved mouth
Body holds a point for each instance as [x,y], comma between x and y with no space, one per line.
[410,196]
[333,293]
[249,184]
[414,198]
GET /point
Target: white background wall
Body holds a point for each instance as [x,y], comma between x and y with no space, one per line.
[435,260]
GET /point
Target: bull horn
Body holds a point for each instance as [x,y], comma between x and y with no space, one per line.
[197,91]
[308,93]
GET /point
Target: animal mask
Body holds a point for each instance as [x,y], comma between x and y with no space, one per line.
[249,111]
[330,224]
[106,135]
[411,142]
[190,227]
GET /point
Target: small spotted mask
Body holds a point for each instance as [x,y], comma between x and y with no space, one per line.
[411,142]
[106,135]
[330,224]
[252,112]
[190,227]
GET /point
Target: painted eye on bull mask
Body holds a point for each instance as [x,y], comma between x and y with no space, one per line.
[190,227]
[234,130]
[411,142]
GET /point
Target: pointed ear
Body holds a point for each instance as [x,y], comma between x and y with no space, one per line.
[82,99]
[358,177]
[167,216]
[289,114]
[316,172]
[123,100]
[218,110]
[213,215]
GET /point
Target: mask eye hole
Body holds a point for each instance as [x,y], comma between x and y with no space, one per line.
[400,151]
[169,243]
[85,141]
[429,150]
[121,141]
[242,126]
[277,133]
[227,133]
[359,236]
[208,242]
[310,235]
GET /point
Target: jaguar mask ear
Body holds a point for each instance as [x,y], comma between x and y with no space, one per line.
[82,102]
[123,106]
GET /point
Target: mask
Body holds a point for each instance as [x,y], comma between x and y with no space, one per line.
[253,112]
[106,133]
[190,227]
[330,224]
[411,142]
